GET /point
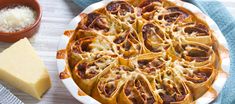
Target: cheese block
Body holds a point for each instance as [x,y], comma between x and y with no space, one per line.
[22,68]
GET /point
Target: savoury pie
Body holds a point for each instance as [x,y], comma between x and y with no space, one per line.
[143,52]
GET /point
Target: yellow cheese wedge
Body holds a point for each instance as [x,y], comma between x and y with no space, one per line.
[22,68]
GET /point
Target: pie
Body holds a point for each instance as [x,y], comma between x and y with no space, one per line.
[143,52]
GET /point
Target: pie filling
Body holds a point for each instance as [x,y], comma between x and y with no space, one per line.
[168,88]
[197,53]
[127,44]
[193,52]
[92,67]
[151,66]
[138,92]
[198,76]
[153,38]
[109,83]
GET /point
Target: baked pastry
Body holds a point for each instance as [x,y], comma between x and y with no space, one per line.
[143,52]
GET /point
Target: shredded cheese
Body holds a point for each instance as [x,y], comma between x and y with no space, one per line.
[16,18]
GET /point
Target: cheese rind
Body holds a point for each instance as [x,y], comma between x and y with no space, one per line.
[22,68]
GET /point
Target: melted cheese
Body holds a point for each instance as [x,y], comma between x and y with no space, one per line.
[100,44]
[100,64]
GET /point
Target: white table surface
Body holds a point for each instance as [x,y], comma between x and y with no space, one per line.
[56,15]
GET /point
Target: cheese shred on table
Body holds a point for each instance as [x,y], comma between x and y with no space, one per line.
[16,18]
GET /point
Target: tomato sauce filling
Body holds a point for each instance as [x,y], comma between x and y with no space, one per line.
[199,76]
[109,85]
[119,7]
[197,53]
[138,92]
[172,92]
[150,65]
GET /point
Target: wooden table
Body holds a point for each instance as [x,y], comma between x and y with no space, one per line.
[56,16]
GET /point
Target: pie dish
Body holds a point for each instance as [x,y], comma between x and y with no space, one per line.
[143,52]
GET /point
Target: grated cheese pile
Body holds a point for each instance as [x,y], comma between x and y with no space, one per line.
[16,18]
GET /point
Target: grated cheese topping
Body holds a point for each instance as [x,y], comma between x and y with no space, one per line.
[16,18]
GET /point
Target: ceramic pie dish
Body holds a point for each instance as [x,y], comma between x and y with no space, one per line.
[133,51]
